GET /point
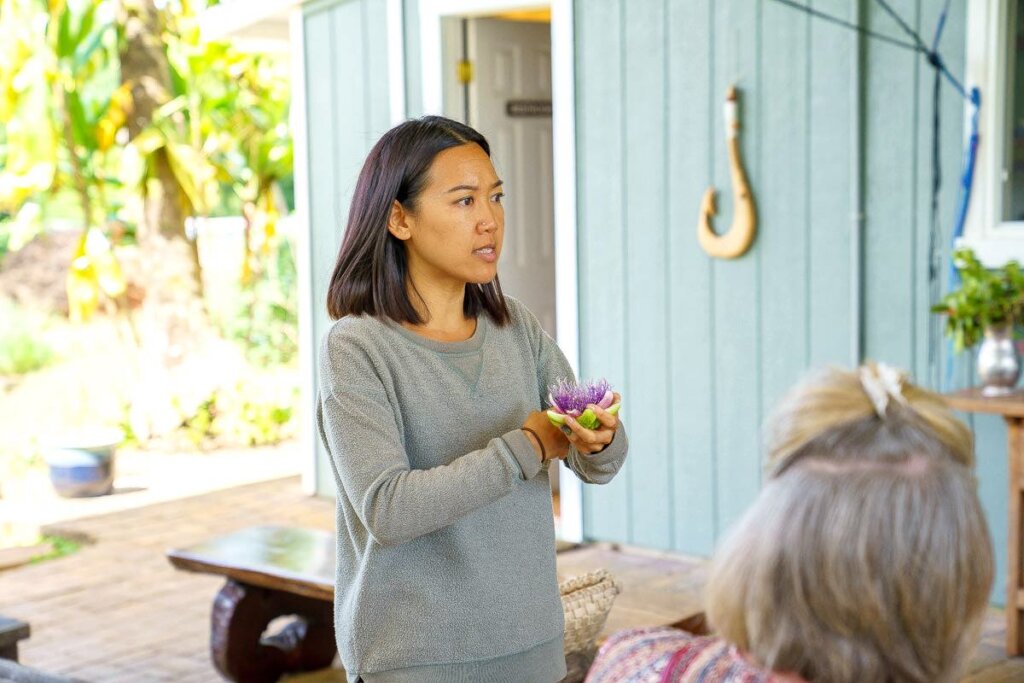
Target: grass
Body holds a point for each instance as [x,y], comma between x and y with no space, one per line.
[22,539]
[61,548]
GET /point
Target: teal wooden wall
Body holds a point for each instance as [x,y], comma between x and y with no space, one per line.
[347,108]
[413,63]
[703,348]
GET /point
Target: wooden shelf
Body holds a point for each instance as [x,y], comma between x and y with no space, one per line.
[972,401]
[1011,407]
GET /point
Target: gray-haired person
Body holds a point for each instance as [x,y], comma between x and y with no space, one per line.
[865,557]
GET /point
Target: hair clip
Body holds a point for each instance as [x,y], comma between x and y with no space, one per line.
[882,382]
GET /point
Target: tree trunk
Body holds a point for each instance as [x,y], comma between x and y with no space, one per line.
[144,65]
[174,331]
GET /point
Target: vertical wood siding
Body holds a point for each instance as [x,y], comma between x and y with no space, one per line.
[347,109]
[601,207]
[691,384]
[703,348]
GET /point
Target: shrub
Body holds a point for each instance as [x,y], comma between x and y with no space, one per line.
[251,413]
[23,344]
[266,319]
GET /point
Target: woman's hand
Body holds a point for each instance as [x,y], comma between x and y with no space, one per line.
[554,441]
[590,441]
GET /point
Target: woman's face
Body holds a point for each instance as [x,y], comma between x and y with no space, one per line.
[454,233]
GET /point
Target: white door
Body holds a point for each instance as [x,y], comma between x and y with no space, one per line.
[510,103]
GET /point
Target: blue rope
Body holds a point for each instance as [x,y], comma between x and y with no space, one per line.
[966,178]
[940,27]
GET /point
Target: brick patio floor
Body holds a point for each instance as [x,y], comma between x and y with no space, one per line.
[117,611]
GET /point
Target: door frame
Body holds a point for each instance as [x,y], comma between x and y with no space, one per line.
[563,129]
[298,12]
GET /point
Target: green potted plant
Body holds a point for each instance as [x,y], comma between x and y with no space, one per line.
[985,308]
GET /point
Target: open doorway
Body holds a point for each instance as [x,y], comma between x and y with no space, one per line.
[497,78]
[493,64]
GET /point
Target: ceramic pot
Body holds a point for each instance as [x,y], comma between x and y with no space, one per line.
[82,464]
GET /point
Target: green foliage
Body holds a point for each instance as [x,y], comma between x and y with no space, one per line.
[266,319]
[199,426]
[19,229]
[221,126]
[124,423]
[250,413]
[18,458]
[61,103]
[61,547]
[254,420]
[986,297]
[224,125]
[23,344]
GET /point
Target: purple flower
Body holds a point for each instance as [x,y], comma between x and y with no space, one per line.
[572,399]
[568,398]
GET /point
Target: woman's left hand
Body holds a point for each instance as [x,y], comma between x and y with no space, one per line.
[590,441]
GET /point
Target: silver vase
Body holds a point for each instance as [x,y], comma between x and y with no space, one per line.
[998,361]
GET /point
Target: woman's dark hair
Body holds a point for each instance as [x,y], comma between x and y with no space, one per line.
[370,274]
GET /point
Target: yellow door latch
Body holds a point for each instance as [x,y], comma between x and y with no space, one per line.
[465,72]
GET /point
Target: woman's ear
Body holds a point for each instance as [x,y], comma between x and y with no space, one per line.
[398,221]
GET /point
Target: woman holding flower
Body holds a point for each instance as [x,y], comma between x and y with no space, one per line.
[431,389]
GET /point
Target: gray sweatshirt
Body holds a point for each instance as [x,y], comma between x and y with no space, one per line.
[446,547]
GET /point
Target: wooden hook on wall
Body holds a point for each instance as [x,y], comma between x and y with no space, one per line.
[740,236]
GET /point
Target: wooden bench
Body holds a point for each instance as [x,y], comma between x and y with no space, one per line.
[12,672]
[278,571]
[271,572]
[11,631]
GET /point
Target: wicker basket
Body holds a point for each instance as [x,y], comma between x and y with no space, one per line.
[586,600]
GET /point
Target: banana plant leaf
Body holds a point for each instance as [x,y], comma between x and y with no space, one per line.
[94,271]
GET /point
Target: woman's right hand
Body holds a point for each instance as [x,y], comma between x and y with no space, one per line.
[556,445]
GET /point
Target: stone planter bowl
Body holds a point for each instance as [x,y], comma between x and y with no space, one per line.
[82,464]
